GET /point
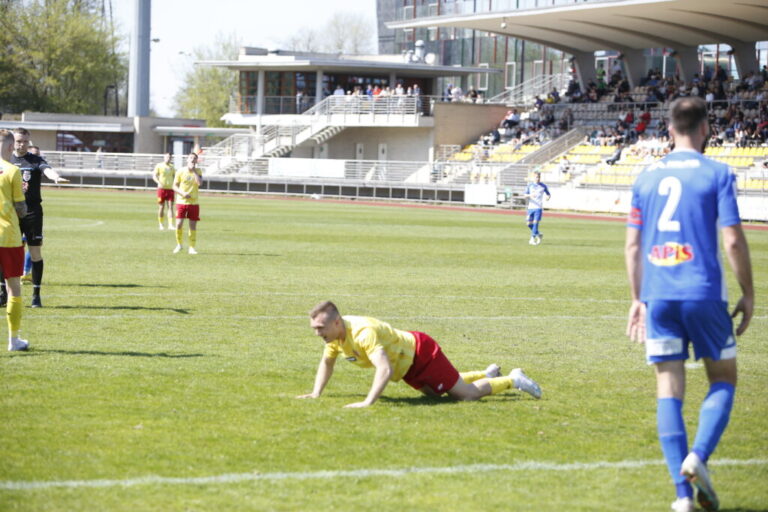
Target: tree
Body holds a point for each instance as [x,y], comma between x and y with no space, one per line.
[207,90]
[348,33]
[59,56]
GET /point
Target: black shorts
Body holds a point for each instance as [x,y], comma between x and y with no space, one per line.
[32,227]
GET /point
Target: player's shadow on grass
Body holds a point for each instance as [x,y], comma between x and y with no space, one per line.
[125,308]
[112,285]
[744,510]
[442,400]
[121,353]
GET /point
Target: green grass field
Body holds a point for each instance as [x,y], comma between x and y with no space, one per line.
[167,382]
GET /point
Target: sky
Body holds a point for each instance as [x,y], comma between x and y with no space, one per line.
[183,25]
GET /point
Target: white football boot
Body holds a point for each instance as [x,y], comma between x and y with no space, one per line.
[525,383]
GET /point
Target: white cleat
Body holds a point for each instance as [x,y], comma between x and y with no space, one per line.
[161,227]
[539,238]
[493,371]
[15,344]
[683,505]
[695,471]
[192,250]
[177,249]
[171,227]
[532,241]
[525,383]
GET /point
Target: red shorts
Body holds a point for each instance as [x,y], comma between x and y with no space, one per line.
[164,194]
[12,261]
[430,367]
[188,211]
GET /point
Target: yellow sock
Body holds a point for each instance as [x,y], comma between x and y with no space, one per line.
[473,376]
[499,384]
[179,236]
[192,237]
[13,310]
[159,220]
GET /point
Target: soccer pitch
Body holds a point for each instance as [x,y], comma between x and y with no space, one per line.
[167,382]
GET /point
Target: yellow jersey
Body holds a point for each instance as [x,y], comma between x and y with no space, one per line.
[365,335]
[10,193]
[164,174]
[186,182]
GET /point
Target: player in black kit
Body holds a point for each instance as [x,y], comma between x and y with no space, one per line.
[32,168]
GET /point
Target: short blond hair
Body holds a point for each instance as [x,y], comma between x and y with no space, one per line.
[327,307]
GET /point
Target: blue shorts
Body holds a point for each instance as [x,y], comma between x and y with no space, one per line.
[671,325]
[534,215]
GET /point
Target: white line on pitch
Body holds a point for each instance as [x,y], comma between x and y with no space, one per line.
[537,318]
[230,478]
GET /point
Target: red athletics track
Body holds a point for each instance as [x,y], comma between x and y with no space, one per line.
[582,216]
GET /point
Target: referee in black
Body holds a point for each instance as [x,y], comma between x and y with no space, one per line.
[32,168]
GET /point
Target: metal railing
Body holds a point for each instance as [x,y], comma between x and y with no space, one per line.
[525,93]
[290,105]
[556,147]
[389,171]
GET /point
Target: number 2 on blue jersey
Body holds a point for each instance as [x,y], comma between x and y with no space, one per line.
[672,188]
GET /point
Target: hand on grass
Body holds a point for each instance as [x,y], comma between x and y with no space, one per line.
[357,405]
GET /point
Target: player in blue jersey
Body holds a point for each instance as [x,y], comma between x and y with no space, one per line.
[535,193]
[679,295]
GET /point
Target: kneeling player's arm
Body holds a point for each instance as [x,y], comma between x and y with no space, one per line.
[21,209]
[324,372]
[381,378]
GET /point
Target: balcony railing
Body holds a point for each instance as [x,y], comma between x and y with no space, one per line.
[290,105]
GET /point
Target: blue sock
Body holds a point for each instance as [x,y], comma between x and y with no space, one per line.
[535,229]
[674,442]
[713,418]
[532,227]
[27,264]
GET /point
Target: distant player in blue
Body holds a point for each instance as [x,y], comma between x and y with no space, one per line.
[535,193]
[679,295]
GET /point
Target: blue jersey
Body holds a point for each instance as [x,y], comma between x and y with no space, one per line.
[536,192]
[679,203]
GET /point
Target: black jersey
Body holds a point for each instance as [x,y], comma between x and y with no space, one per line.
[32,167]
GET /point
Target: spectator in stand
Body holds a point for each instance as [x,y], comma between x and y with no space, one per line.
[511,120]
[538,102]
[339,91]
[457,94]
[616,156]
[472,95]
[641,127]
[448,94]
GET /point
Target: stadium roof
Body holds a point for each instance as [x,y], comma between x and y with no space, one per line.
[620,24]
[332,63]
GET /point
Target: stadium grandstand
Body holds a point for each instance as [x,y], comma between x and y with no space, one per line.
[429,124]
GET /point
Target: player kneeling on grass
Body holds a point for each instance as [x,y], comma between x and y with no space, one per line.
[408,355]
